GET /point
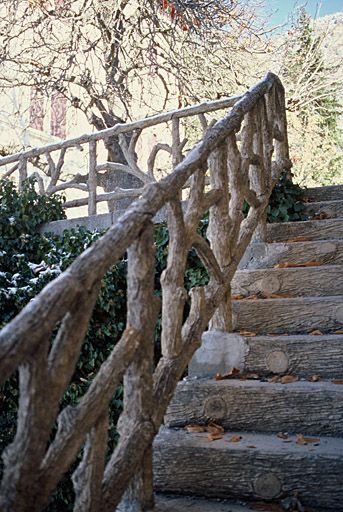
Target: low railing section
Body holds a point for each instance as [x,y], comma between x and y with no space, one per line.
[244,154]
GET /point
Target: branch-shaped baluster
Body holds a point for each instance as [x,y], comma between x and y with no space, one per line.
[173,291]
[129,152]
[39,180]
[75,422]
[237,180]
[87,478]
[55,170]
[152,157]
[10,171]
[143,308]
[22,168]
[177,145]
[92,179]
[219,231]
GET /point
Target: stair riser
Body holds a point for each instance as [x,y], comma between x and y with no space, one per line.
[315,229]
[301,356]
[301,407]
[333,209]
[332,193]
[184,463]
[308,281]
[261,256]
[278,316]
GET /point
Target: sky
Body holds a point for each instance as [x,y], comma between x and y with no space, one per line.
[285,7]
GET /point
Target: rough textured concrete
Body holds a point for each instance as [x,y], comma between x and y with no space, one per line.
[187,504]
[332,193]
[312,408]
[257,467]
[333,209]
[218,352]
[263,255]
[308,281]
[315,229]
[293,316]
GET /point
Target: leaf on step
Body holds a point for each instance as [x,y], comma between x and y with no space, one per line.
[235,439]
[282,436]
[238,296]
[214,428]
[229,375]
[250,446]
[247,333]
[274,379]
[194,429]
[264,506]
[291,240]
[314,378]
[316,333]
[320,216]
[306,440]
[252,297]
[279,295]
[214,436]
[340,331]
[337,381]
[288,264]
[247,376]
[288,379]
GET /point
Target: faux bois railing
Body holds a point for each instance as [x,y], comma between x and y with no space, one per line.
[243,154]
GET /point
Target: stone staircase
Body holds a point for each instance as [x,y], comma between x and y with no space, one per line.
[262,455]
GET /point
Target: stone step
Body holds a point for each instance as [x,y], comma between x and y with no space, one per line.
[311,408]
[333,209]
[306,281]
[174,503]
[332,193]
[299,355]
[315,229]
[258,467]
[262,255]
[292,316]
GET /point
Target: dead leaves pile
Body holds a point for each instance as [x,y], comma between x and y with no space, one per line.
[310,263]
[214,431]
[265,295]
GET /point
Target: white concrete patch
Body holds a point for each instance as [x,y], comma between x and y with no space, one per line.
[219,353]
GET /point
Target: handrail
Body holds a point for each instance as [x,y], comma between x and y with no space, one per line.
[240,170]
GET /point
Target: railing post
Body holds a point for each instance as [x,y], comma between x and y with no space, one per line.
[143,308]
[92,178]
[22,167]
[219,232]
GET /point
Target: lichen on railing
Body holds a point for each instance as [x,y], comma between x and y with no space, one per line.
[244,154]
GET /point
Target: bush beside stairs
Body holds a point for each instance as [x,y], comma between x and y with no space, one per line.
[282,442]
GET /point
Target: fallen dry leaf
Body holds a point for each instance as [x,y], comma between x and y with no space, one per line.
[238,296]
[214,436]
[229,375]
[235,439]
[306,440]
[247,376]
[194,429]
[291,240]
[279,295]
[288,264]
[214,428]
[252,297]
[250,446]
[274,379]
[340,331]
[320,216]
[316,333]
[282,436]
[247,333]
[288,379]
[314,378]
[337,381]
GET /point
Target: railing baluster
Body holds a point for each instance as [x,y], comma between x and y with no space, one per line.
[92,178]
[142,313]
[22,167]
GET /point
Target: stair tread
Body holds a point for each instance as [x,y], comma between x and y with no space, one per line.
[314,408]
[259,466]
[316,229]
